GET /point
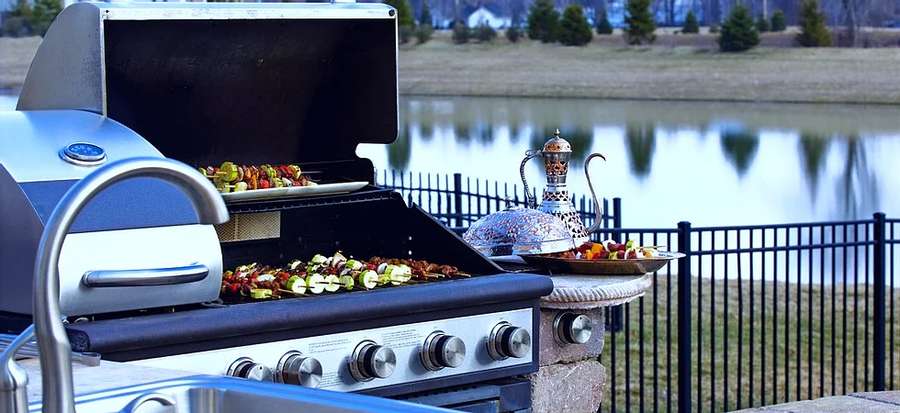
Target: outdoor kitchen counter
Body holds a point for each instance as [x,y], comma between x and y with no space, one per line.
[570,377]
[871,402]
[108,375]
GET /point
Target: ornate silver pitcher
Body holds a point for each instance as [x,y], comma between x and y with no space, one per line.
[556,198]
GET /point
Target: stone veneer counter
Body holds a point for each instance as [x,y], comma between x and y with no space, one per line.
[570,379]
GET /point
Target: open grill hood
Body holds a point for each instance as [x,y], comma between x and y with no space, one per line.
[248,83]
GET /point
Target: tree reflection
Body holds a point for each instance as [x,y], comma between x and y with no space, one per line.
[740,148]
[400,152]
[857,183]
[812,153]
[640,143]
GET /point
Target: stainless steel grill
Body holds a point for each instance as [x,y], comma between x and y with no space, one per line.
[249,83]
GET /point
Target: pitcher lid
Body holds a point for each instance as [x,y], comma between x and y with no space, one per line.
[557,144]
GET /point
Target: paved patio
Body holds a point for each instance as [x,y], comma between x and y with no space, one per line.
[875,402]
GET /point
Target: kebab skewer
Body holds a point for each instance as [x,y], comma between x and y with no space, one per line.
[230,177]
[323,274]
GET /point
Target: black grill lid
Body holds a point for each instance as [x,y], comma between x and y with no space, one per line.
[250,83]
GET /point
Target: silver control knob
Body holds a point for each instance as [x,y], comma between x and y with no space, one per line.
[246,368]
[295,368]
[507,341]
[442,350]
[572,328]
[369,361]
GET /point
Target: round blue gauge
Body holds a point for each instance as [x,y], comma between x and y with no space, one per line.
[83,153]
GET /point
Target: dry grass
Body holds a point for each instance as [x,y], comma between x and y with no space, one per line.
[15,57]
[770,383]
[604,70]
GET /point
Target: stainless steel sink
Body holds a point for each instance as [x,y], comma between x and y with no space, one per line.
[209,394]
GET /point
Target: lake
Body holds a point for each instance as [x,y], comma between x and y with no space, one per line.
[711,163]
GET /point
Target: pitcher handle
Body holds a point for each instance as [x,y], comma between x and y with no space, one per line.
[598,217]
[530,201]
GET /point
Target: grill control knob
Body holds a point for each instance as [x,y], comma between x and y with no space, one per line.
[572,328]
[295,368]
[369,361]
[246,368]
[507,341]
[442,350]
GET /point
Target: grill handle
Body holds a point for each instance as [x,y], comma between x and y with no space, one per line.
[145,277]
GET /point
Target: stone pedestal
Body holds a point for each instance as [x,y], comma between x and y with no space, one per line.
[570,379]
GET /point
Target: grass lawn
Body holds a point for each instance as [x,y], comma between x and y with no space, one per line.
[677,67]
[674,70]
[769,382]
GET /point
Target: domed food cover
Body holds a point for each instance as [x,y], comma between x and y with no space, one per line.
[519,231]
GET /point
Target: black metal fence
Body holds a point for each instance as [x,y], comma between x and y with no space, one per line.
[459,201]
[753,315]
[773,313]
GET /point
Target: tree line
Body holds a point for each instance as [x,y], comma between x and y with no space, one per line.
[28,20]
[739,32]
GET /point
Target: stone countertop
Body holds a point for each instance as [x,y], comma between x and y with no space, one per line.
[875,402]
[108,375]
[593,291]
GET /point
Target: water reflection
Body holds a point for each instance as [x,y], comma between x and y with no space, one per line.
[710,163]
[640,139]
[813,148]
[739,148]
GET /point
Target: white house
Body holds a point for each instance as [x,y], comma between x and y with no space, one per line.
[483,15]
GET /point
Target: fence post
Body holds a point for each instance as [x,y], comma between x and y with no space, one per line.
[617,214]
[684,317]
[457,199]
[615,317]
[878,256]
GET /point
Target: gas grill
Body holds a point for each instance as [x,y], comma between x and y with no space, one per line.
[249,83]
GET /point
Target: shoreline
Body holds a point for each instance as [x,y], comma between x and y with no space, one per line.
[678,68]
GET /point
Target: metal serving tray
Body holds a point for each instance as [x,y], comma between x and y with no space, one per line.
[293,191]
[603,267]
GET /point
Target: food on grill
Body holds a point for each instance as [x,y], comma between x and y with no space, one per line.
[323,274]
[609,250]
[230,177]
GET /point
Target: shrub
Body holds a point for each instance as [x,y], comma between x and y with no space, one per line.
[42,14]
[425,16]
[574,29]
[714,28]
[405,22]
[485,33]
[543,21]
[15,26]
[639,24]
[738,32]
[404,12]
[406,33]
[460,32]
[423,33]
[813,32]
[513,34]
[778,23]
[690,23]
[762,24]
[604,27]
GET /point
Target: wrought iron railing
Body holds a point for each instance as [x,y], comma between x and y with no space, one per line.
[753,315]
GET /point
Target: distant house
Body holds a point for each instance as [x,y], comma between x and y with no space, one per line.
[487,14]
